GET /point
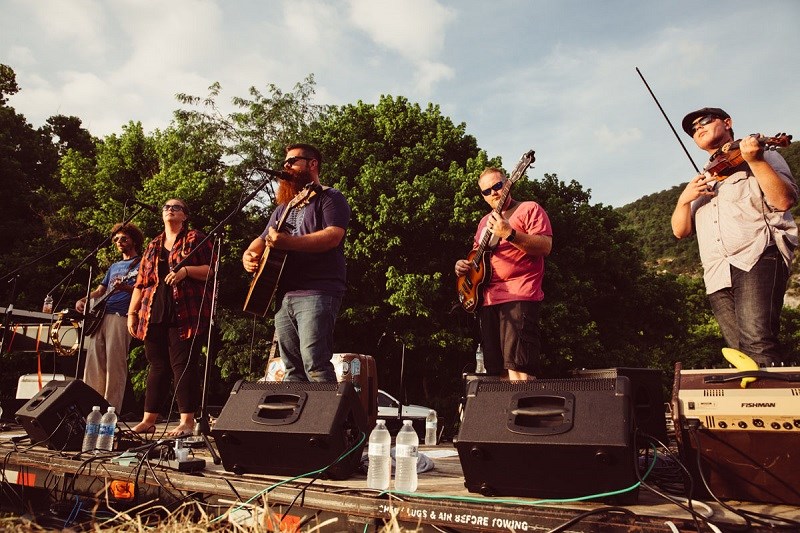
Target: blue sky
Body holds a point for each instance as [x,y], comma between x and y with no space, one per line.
[555,76]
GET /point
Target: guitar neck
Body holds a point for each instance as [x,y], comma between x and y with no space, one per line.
[487,235]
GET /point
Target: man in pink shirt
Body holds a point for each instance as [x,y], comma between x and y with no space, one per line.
[512,295]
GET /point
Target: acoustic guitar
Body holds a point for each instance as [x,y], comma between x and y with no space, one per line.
[97,310]
[265,280]
[470,285]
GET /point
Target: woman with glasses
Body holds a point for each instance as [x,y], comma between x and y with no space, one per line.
[509,314]
[106,369]
[170,309]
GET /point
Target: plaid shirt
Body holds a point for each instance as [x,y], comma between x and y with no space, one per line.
[192,297]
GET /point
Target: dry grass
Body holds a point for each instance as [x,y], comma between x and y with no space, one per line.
[189,518]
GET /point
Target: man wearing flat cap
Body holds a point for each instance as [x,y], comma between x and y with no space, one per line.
[745,233]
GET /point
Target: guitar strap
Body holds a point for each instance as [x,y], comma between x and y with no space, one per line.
[134,264]
[294,219]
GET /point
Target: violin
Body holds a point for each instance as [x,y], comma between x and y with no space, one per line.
[728,159]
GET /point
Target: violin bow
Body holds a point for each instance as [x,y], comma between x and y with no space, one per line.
[668,122]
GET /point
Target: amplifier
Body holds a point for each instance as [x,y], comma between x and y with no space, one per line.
[746,437]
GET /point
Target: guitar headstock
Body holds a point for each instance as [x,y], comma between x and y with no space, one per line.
[525,161]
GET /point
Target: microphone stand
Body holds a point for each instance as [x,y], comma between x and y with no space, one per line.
[202,425]
[8,312]
[400,398]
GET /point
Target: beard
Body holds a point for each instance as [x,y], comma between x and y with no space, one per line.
[288,189]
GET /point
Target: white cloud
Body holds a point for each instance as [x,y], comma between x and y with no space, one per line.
[429,74]
[77,24]
[559,79]
[413,28]
[615,141]
[21,56]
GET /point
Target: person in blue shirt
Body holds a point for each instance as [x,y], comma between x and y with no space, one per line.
[106,369]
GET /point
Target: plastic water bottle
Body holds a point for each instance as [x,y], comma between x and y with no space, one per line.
[405,455]
[92,429]
[47,306]
[379,471]
[430,428]
[108,424]
[479,368]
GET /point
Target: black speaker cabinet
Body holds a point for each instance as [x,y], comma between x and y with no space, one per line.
[291,428]
[647,398]
[56,415]
[549,438]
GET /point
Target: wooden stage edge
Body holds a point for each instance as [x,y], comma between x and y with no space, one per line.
[441,502]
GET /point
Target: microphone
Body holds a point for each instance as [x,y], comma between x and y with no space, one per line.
[280,174]
[149,207]
[380,340]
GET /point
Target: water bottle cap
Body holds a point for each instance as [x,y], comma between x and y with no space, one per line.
[111,409]
[406,422]
[95,408]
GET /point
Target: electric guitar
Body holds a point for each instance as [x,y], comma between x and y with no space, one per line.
[265,280]
[97,310]
[470,285]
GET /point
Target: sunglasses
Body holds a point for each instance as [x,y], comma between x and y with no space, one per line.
[706,120]
[173,207]
[496,187]
[292,160]
[120,238]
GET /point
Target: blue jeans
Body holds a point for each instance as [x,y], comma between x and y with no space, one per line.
[304,325]
[749,311]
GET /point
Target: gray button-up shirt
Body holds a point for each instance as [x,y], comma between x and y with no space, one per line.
[736,225]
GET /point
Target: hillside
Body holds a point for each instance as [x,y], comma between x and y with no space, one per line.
[649,219]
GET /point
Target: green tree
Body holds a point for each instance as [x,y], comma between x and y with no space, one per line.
[402,169]
[28,162]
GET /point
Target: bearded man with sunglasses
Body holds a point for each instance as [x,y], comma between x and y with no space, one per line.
[312,282]
[746,235]
[509,315]
[106,369]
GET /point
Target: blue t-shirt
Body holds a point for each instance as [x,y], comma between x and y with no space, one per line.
[119,301]
[314,273]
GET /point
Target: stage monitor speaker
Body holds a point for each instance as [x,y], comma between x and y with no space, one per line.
[291,428]
[747,439]
[647,398]
[56,415]
[549,438]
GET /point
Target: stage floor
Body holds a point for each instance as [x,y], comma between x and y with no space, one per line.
[441,500]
